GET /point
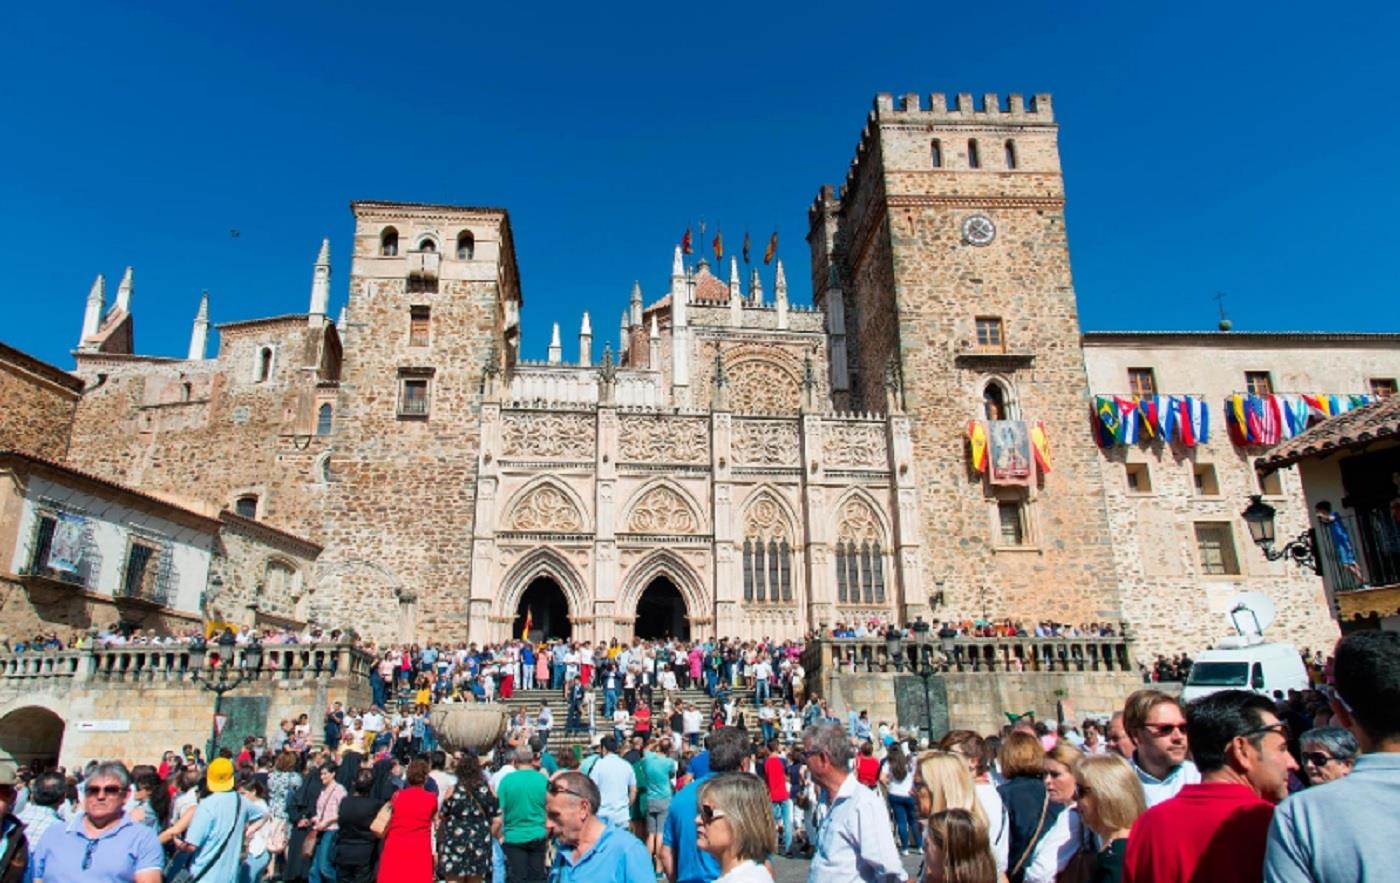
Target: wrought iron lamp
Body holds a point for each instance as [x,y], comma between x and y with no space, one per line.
[923,667]
[894,646]
[1260,518]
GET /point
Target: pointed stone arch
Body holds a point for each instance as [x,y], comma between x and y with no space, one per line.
[663,507]
[850,505]
[779,513]
[546,505]
[861,544]
[665,563]
[542,561]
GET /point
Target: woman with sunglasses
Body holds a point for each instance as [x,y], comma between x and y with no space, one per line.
[735,825]
[1328,754]
[1110,801]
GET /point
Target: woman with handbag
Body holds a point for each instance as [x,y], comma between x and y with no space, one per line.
[323,826]
[464,835]
[1030,810]
[406,824]
[1067,851]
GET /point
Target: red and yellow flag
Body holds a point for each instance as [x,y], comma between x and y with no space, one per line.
[977,444]
[685,242]
[1040,445]
[719,245]
[529,624]
[772,248]
[746,246]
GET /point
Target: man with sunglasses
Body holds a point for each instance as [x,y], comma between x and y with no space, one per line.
[1216,830]
[1157,727]
[590,849]
[100,845]
[1347,829]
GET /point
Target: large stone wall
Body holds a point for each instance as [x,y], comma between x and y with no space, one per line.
[36,405]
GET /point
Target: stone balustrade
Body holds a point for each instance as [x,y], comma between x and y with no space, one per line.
[145,664]
[963,654]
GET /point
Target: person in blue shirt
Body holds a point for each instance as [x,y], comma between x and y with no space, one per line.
[681,858]
[590,850]
[100,844]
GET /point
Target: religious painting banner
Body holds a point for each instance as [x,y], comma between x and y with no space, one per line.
[66,547]
[1010,444]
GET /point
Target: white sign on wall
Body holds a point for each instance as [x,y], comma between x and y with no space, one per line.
[103,726]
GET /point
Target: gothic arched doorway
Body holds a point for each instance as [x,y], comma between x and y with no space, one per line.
[548,609]
[661,612]
[31,736]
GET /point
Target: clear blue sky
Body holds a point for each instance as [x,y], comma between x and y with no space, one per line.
[1206,149]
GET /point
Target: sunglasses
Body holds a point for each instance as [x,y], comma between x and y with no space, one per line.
[708,814]
[104,791]
[1317,758]
[1161,731]
[559,788]
[1276,727]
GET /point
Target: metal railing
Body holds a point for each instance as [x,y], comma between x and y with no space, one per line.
[1367,556]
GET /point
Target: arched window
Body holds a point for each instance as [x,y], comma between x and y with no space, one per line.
[748,570]
[994,401]
[974,161]
[427,245]
[246,506]
[185,391]
[935,150]
[264,364]
[389,242]
[466,245]
[842,592]
[860,566]
[1010,154]
[323,419]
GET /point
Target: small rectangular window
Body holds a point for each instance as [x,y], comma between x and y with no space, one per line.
[1271,485]
[1258,383]
[1206,483]
[418,325]
[1012,522]
[413,397]
[140,578]
[1216,548]
[1139,479]
[1383,386]
[1142,382]
[1010,154]
[974,161]
[936,153]
[989,335]
[43,543]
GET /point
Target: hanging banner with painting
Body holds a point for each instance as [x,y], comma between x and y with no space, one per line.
[66,548]
[1010,444]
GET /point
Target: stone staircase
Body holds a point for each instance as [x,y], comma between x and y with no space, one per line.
[529,702]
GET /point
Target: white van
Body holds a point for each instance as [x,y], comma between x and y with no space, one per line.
[1246,664]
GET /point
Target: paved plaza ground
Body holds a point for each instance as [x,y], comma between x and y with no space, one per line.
[788,870]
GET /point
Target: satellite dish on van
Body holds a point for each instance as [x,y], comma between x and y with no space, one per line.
[1251,613]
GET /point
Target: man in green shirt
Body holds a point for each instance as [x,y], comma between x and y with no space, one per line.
[522,796]
[659,771]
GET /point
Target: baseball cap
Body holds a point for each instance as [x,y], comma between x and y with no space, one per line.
[220,775]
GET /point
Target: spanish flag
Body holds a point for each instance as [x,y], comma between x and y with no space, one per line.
[746,246]
[977,443]
[1040,445]
[685,242]
[529,624]
[719,245]
[772,248]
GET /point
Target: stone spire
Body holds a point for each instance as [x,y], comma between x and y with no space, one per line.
[677,276]
[585,342]
[780,298]
[556,349]
[624,338]
[755,288]
[736,302]
[92,316]
[199,335]
[124,293]
[321,285]
[636,304]
[654,339]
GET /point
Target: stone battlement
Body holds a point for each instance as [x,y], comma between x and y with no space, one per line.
[1014,109]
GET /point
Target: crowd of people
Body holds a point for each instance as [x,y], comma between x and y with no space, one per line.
[1235,786]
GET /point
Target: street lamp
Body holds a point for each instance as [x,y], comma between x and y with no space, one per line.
[1260,518]
[894,646]
[219,683]
[923,667]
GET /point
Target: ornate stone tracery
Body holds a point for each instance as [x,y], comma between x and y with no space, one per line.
[860,561]
[765,443]
[546,508]
[759,386]
[548,436]
[858,522]
[765,518]
[854,446]
[662,511]
[664,439]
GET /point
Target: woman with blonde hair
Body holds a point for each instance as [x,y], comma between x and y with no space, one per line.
[1067,840]
[973,749]
[956,850]
[1110,801]
[735,825]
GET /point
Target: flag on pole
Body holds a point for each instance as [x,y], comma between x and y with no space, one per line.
[746,246]
[719,245]
[685,242]
[772,248]
[529,624]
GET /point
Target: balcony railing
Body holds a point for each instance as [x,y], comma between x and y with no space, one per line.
[174,663]
[1372,544]
[974,655]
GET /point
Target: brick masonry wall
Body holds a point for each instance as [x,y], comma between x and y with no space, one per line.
[36,406]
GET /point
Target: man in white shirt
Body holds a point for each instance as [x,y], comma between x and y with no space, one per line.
[1157,726]
[856,842]
[691,722]
[373,723]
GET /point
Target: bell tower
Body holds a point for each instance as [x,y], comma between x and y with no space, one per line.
[946,249]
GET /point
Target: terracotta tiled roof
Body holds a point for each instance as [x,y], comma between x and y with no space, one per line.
[1356,427]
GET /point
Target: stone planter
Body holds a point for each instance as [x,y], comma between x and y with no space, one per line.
[466,726]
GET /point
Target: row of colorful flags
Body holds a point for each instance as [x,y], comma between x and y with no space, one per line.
[688,245]
[1185,419]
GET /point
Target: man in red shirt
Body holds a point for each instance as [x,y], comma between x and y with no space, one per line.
[776,774]
[1217,830]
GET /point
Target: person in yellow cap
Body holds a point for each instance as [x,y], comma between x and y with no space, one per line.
[215,835]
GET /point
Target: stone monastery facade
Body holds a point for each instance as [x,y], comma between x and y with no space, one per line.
[738,465]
